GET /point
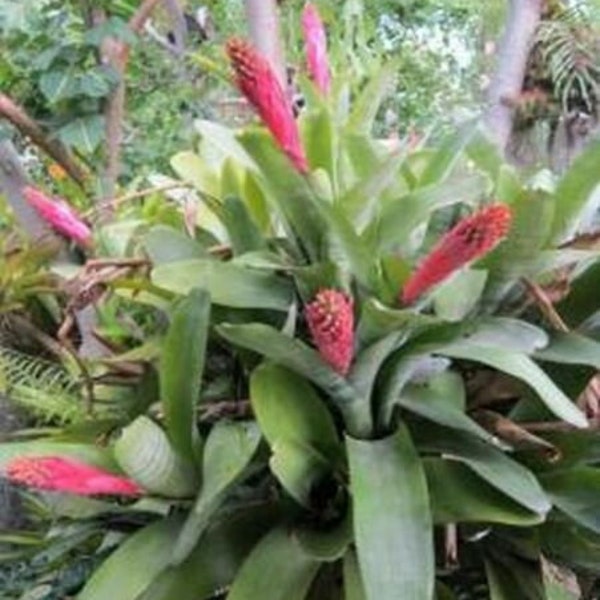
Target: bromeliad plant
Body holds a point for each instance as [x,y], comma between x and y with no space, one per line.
[365,390]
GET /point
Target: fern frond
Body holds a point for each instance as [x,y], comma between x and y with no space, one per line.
[40,386]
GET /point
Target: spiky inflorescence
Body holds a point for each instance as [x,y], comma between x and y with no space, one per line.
[330,319]
[470,238]
[60,474]
[315,44]
[258,82]
[59,215]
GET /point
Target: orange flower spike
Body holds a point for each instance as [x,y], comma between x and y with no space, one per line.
[258,82]
[471,238]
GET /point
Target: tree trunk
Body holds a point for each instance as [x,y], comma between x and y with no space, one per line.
[522,21]
[263,25]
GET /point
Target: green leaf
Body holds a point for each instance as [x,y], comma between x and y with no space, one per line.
[229,449]
[393,528]
[288,409]
[577,493]
[215,561]
[227,283]
[400,218]
[326,545]
[369,100]
[297,356]
[318,135]
[243,231]
[571,349]
[353,585]
[521,367]
[573,192]
[144,453]
[491,464]
[289,192]
[192,169]
[181,368]
[277,569]
[127,572]
[58,84]
[167,245]
[84,133]
[508,334]
[459,496]
[514,579]
[222,142]
[299,468]
[455,299]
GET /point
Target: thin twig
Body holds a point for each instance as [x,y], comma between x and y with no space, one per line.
[545,305]
[230,408]
[53,147]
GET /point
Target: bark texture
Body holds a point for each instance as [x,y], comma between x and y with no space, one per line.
[522,21]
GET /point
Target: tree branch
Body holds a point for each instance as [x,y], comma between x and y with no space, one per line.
[14,113]
[506,85]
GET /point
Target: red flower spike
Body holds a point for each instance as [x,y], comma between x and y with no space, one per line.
[59,474]
[469,239]
[330,320]
[59,215]
[258,82]
[315,44]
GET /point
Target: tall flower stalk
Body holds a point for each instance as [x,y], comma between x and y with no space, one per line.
[469,239]
[315,44]
[258,82]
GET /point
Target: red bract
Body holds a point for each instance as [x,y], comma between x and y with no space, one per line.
[66,475]
[59,215]
[331,323]
[258,82]
[315,44]
[469,239]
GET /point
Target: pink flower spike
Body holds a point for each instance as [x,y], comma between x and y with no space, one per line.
[59,474]
[59,215]
[330,319]
[258,82]
[469,239]
[315,44]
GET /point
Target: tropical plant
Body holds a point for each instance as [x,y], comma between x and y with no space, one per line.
[343,403]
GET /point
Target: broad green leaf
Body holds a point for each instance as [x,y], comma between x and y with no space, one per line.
[289,192]
[167,245]
[92,455]
[436,405]
[277,569]
[571,349]
[505,474]
[362,201]
[181,369]
[299,468]
[576,492]
[227,283]
[57,84]
[215,561]
[522,367]
[514,579]
[369,100]
[482,150]
[508,334]
[457,495]
[400,218]
[228,451]
[192,169]
[319,141]
[127,572]
[297,356]
[393,528]
[455,299]
[222,142]
[288,409]
[353,585]
[574,190]
[243,231]
[329,545]
[84,133]
[143,451]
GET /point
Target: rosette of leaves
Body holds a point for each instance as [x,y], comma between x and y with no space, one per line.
[453,454]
